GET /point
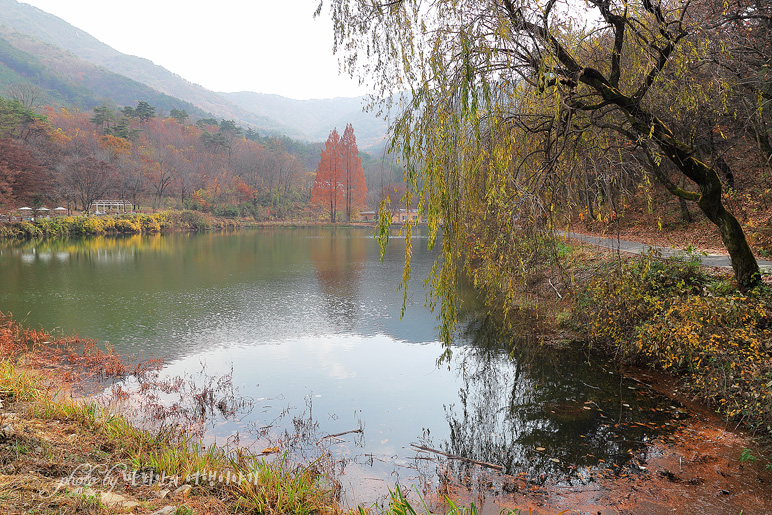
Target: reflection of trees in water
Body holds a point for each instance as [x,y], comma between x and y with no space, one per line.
[339,263]
[546,411]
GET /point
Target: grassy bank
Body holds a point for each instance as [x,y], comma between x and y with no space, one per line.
[135,223]
[59,455]
[64,455]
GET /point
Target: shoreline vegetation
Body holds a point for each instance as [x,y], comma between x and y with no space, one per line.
[50,442]
[132,223]
[138,223]
[668,315]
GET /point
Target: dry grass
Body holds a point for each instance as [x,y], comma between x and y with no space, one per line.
[54,446]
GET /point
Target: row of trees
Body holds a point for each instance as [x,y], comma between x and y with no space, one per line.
[72,157]
[521,110]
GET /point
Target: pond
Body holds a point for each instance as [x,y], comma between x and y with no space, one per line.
[305,325]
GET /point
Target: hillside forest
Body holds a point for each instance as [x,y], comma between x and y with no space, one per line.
[68,157]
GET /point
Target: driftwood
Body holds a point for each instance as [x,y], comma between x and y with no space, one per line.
[553,287]
[460,458]
[336,435]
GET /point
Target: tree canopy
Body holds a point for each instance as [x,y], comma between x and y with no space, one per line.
[70,157]
[340,179]
[505,111]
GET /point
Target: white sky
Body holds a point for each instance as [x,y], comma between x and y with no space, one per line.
[267,46]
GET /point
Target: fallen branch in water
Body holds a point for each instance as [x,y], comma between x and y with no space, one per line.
[461,458]
[336,435]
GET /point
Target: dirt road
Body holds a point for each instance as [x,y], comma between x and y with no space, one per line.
[632,247]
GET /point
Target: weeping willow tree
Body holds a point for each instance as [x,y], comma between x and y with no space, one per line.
[505,110]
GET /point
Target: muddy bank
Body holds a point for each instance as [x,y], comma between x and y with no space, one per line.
[703,466]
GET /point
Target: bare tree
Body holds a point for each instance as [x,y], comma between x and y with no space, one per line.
[30,95]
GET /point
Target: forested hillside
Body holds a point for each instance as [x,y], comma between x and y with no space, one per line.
[22,24]
[59,78]
[30,21]
[73,157]
[93,140]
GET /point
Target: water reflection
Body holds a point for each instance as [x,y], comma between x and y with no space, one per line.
[179,294]
[306,323]
[339,261]
[553,415]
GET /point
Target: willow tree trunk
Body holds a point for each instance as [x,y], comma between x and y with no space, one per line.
[708,199]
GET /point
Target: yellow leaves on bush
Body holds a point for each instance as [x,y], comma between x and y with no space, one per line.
[667,315]
[128,226]
[94,225]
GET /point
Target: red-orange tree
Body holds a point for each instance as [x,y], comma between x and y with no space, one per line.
[329,186]
[356,188]
[340,178]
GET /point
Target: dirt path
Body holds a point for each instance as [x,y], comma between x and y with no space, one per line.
[632,247]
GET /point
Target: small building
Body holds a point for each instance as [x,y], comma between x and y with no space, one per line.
[25,214]
[60,211]
[368,216]
[406,215]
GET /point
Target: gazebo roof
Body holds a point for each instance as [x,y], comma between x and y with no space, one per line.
[43,209]
[25,209]
[60,208]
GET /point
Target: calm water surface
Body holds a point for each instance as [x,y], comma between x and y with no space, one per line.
[306,323]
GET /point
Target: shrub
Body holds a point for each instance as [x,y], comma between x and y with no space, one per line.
[149,223]
[669,315]
[195,220]
[227,211]
[27,230]
[128,225]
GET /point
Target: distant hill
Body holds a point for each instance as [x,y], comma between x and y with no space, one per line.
[316,117]
[306,119]
[48,28]
[64,79]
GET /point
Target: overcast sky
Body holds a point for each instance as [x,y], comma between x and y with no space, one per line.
[267,46]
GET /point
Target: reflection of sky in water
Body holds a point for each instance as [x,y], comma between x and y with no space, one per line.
[374,378]
[196,292]
[309,320]
[392,389]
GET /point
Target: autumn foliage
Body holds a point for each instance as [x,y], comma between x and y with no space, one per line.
[671,315]
[72,158]
[340,180]
[21,172]
[328,185]
[355,187]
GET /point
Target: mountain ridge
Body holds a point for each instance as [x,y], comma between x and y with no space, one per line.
[318,116]
[308,119]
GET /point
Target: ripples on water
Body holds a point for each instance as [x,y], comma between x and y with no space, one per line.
[307,321]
